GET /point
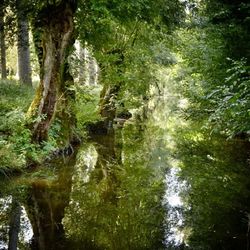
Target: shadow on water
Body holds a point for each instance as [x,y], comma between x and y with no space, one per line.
[217,200]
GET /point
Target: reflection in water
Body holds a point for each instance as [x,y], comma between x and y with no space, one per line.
[26,231]
[46,201]
[219,195]
[34,212]
[106,201]
[120,206]
[14,221]
[144,187]
[5,210]
[172,199]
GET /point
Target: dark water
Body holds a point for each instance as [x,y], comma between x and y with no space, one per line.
[142,187]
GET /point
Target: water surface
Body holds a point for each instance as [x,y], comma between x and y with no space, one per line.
[143,186]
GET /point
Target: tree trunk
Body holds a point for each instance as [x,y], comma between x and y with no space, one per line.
[107,107]
[24,69]
[109,93]
[54,30]
[2,44]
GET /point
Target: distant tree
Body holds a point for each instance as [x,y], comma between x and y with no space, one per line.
[2,41]
[116,30]
[24,68]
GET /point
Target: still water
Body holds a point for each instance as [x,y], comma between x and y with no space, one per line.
[151,185]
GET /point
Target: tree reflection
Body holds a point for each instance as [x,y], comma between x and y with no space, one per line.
[110,199]
[119,206]
[36,207]
[45,206]
[14,224]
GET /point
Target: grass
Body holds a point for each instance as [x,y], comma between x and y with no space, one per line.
[16,149]
[14,137]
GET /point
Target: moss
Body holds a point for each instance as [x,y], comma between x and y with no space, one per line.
[33,107]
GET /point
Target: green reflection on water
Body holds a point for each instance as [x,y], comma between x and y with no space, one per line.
[119,205]
[110,195]
[110,199]
[218,198]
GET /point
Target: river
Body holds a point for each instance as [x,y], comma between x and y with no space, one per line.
[154,184]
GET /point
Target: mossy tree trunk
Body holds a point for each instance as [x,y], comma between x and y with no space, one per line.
[54,38]
[107,105]
[109,93]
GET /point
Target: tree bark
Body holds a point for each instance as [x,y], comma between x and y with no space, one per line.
[24,68]
[54,40]
[2,44]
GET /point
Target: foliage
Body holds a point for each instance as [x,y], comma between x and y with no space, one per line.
[114,204]
[124,37]
[86,106]
[215,85]
[232,101]
[105,19]
[15,138]
[234,17]
[16,147]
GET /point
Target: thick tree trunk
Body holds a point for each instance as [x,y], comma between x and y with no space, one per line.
[2,44]
[55,30]
[24,69]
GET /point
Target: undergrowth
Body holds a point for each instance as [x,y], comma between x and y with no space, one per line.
[14,137]
[16,147]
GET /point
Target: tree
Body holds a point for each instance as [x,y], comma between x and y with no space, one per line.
[53,29]
[106,26]
[115,30]
[24,68]
[2,41]
[233,18]
[215,67]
